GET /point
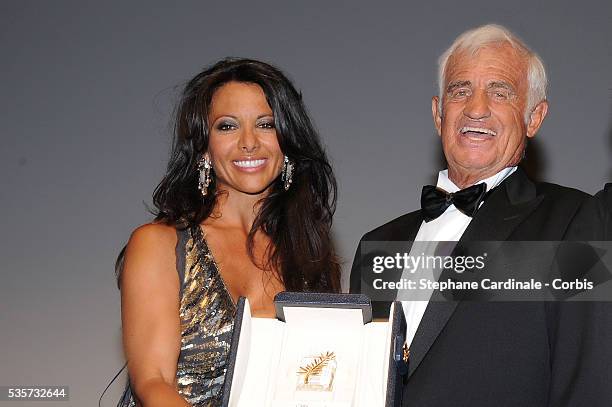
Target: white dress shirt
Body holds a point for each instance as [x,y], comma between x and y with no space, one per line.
[447,227]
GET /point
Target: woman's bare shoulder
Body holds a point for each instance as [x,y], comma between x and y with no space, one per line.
[154,233]
[151,249]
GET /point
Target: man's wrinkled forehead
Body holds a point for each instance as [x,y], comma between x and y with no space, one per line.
[503,54]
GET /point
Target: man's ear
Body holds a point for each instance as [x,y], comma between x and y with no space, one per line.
[536,118]
[436,112]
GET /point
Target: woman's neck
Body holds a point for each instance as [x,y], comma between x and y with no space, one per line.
[236,210]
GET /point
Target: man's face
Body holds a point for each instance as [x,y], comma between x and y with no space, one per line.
[483,108]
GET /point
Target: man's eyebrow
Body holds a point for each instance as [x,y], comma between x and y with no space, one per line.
[500,85]
[457,84]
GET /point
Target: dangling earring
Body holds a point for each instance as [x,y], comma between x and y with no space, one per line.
[204,167]
[287,173]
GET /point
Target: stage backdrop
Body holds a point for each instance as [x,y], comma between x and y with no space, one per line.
[88,89]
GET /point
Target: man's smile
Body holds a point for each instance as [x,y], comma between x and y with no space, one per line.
[477,132]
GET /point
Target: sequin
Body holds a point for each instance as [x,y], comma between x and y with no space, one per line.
[207,318]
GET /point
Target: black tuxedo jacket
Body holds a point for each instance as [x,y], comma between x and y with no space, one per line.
[604,198]
[512,353]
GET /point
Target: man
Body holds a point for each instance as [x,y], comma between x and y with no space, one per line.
[462,353]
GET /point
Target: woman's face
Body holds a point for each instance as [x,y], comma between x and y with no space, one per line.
[243,146]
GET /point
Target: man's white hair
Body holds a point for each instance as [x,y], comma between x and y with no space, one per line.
[473,40]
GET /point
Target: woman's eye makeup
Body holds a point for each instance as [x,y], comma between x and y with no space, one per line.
[228,125]
[266,124]
[225,125]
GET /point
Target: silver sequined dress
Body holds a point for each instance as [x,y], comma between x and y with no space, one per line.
[207,318]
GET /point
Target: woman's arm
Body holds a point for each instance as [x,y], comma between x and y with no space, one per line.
[150,315]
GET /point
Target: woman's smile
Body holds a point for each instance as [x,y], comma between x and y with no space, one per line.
[250,164]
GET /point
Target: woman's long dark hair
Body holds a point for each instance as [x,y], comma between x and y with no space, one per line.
[297,221]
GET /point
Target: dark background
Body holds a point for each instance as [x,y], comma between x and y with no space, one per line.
[88,90]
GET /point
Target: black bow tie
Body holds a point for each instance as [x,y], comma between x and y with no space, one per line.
[434,201]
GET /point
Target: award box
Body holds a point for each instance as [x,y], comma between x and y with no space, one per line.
[321,350]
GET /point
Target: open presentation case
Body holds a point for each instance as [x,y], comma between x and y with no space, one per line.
[322,350]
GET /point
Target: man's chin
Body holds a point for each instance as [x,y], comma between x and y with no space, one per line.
[475,165]
[471,172]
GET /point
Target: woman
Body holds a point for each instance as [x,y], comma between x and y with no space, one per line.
[244,209]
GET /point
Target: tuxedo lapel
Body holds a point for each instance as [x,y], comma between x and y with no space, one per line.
[414,225]
[406,234]
[400,234]
[434,319]
[506,208]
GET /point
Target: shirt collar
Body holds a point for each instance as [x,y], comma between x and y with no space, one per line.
[449,186]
